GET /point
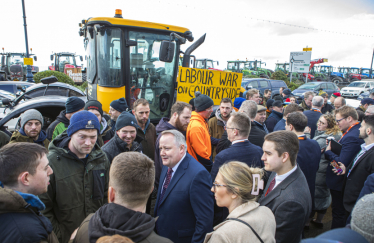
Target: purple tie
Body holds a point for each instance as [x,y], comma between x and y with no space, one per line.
[166,184]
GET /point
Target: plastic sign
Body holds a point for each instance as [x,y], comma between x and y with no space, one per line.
[307,49]
[300,61]
[28,61]
[215,84]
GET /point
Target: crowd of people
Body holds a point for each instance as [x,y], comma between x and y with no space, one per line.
[256,170]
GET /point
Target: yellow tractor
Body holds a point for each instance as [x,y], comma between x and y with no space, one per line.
[133,59]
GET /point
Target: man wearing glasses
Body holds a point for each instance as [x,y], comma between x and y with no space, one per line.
[347,119]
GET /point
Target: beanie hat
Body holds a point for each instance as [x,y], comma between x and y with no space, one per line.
[287,91]
[31,114]
[238,102]
[367,101]
[288,100]
[363,217]
[337,94]
[94,105]
[278,103]
[74,104]
[119,105]
[126,119]
[324,94]
[192,103]
[202,102]
[269,103]
[82,120]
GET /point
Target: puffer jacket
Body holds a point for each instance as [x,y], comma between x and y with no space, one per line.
[21,220]
[106,133]
[115,146]
[198,140]
[20,136]
[77,187]
[322,198]
[58,126]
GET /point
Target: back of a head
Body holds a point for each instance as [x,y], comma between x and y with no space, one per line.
[346,111]
[114,239]
[202,102]
[298,120]
[290,108]
[241,122]
[340,100]
[132,175]
[249,107]
[370,109]
[284,141]
[363,217]
[317,101]
[16,158]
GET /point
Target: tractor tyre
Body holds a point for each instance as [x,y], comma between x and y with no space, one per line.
[337,80]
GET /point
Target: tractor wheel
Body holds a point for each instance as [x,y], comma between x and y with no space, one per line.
[337,80]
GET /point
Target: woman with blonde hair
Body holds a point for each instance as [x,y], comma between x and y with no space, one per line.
[237,187]
[326,127]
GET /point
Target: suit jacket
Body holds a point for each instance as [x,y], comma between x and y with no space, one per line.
[281,125]
[273,119]
[244,152]
[313,117]
[351,145]
[354,183]
[186,210]
[291,204]
[308,160]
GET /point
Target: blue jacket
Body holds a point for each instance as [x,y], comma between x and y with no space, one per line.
[281,125]
[273,119]
[351,145]
[243,152]
[313,117]
[186,210]
[308,159]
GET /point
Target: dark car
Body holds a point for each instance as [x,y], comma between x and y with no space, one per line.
[14,86]
[327,87]
[261,84]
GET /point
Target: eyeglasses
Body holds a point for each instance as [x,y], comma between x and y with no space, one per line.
[217,185]
[231,128]
[337,121]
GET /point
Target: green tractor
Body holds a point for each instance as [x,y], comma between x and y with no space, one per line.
[12,67]
[249,68]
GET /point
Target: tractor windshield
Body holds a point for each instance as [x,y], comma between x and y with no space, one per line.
[16,59]
[355,70]
[344,70]
[151,79]
[365,71]
[231,66]
[249,65]
[325,69]
[209,64]
[69,59]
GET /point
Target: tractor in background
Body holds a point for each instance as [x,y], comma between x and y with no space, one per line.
[12,67]
[62,61]
[249,68]
[205,64]
[366,72]
[345,75]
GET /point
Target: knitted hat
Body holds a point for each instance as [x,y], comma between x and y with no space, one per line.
[94,105]
[238,102]
[367,101]
[337,94]
[74,104]
[269,103]
[82,120]
[126,119]
[324,95]
[31,114]
[278,103]
[261,108]
[202,102]
[287,91]
[363,217]
[288,100]
[119,105]
[192,103]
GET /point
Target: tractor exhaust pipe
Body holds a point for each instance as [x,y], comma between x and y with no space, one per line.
[194,46]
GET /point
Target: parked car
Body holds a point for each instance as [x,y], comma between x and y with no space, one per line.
[14,86]
[327,87]
[356,88]
[366,94]
[261,84]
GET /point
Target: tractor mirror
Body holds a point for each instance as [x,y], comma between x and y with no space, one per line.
[21,87]
[5,101]
[81,58]
[167,50]
[217,63]
[51,57]
[49,80]
[35,58]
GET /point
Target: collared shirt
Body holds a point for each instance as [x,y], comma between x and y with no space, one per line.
[175,168]
[364,149]
[264,126]
[239,141]
[280,178]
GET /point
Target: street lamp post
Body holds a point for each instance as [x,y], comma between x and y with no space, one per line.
[29,75]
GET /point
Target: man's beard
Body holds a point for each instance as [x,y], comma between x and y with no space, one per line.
[28,133]
[363,136]
[179,126]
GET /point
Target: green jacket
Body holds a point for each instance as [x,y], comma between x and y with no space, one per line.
[17,137]
[4,139]
[76,189]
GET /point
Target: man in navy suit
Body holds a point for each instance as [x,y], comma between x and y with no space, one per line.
[309,151]
[347,120]
[184,203]
[281,125]
[314,114]
[238,128]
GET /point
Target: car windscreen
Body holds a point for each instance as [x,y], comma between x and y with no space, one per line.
[357,84]
[310,86]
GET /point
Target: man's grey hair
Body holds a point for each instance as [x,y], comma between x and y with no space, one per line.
[307,94]
[370,110]
[178,137]
[249,107]
[317,101]
[371,96]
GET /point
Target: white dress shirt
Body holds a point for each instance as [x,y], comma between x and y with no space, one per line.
[175,169]
[280,178]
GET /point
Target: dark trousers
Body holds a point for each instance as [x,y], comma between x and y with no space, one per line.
[339,217]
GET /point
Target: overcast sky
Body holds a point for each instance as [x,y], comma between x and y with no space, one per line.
[231,33]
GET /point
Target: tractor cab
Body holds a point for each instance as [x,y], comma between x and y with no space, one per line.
[12,66]
[366,72]
[205,63]
[63,60]
[355,70]
[326,69]
[132,59]
[284,67]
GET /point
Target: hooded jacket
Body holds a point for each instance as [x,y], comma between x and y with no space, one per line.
[149,140]
[21,220]
[112,219]
[115,146]
[20,136]
[198,140]
[106,133]
[77,187]
[216,128]
[58,126]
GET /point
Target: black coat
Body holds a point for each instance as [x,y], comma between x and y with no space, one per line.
[327,108]
[115,146]
[273,119]
[354,183]
[313,117]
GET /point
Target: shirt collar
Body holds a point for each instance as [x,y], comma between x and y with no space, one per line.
[280,178]
[177,165]
[238,141]
[365,147]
